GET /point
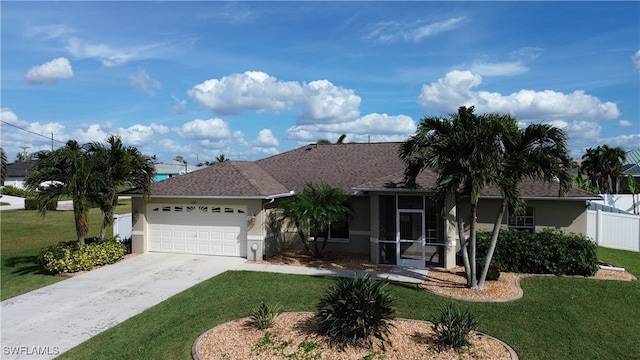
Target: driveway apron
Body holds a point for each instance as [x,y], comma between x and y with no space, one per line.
[46,322]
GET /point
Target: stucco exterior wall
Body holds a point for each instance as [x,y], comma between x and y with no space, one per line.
[569,216]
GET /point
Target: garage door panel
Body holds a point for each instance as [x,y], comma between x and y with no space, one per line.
[209,230]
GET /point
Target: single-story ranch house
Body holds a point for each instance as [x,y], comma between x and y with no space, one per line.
[223,209]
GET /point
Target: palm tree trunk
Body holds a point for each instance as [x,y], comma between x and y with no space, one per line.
[472,245]
[463,239]
[492,243]
[81,220]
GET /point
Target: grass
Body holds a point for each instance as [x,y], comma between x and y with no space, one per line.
[558,318]
[24,233]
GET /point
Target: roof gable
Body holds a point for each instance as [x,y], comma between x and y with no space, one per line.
[225,179]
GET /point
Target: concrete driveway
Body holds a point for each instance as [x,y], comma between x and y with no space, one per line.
[15,203]
[46,322]
[49,321]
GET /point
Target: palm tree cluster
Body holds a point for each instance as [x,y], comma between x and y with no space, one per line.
[91,174]
[603,168]
[470,152]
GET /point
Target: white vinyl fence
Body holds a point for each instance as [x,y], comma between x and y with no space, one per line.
[614,230]
[122,227]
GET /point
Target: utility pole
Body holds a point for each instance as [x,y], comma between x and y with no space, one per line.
[24,152]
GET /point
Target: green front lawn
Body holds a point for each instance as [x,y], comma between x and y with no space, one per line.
[24,233]
[558,318]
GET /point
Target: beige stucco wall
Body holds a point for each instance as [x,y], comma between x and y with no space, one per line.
[569,216]
[255,231]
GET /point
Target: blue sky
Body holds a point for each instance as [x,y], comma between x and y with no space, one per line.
[253,79]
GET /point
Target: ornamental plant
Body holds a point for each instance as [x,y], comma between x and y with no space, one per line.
[453,327]
[262,317]
[355,311]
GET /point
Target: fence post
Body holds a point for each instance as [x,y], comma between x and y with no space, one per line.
[599,230]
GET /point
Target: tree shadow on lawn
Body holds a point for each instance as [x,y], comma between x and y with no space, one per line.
[25,265]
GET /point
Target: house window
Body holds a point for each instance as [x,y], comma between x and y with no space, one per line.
[338,230]
[524,221]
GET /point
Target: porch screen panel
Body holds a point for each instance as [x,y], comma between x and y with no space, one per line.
[387,229]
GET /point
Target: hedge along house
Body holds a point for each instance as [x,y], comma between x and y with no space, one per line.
[223,209]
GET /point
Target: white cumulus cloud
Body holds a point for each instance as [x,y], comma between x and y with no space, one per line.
[323,101]
[251,90]
[50,72]
[142,82]
[265,139]
[457,89]
[205,129]
[374,127]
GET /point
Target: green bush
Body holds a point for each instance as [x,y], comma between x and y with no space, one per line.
[354,311]
[493,274]
[31,204]
[263,316]
[546,252]
[452,327]
[14,191]
[71,256]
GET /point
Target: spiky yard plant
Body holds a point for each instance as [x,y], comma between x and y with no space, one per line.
[355,311]
[453,327]
[262,317]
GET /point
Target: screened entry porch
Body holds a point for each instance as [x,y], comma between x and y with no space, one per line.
[410,232]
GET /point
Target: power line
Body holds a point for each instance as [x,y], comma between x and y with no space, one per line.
[32,132]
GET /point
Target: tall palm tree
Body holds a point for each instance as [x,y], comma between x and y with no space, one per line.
[68,171]
[469,152]
[537,152]
[464,151]
[120,166]
[313,210]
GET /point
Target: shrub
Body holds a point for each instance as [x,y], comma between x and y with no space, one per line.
[452,327]
[354,311]
[493,273]
[71,256]
[32,204]
[263,316]
[546,252]
[14,191]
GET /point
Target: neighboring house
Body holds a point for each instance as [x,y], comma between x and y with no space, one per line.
[631,166]
[222,209]
[173,168]
[16,173]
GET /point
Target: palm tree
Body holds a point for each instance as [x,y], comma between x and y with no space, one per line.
[537,152]
[3,166]
[120,167]
[465,153]
[220,158]
[603,166]
[469,152]
[313,210]
[612,170]
[68,171]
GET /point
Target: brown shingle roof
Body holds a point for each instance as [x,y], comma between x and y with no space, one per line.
[340,165]
[351,167]
[229,178]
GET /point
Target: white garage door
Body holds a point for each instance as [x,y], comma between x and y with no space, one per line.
[198,229]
